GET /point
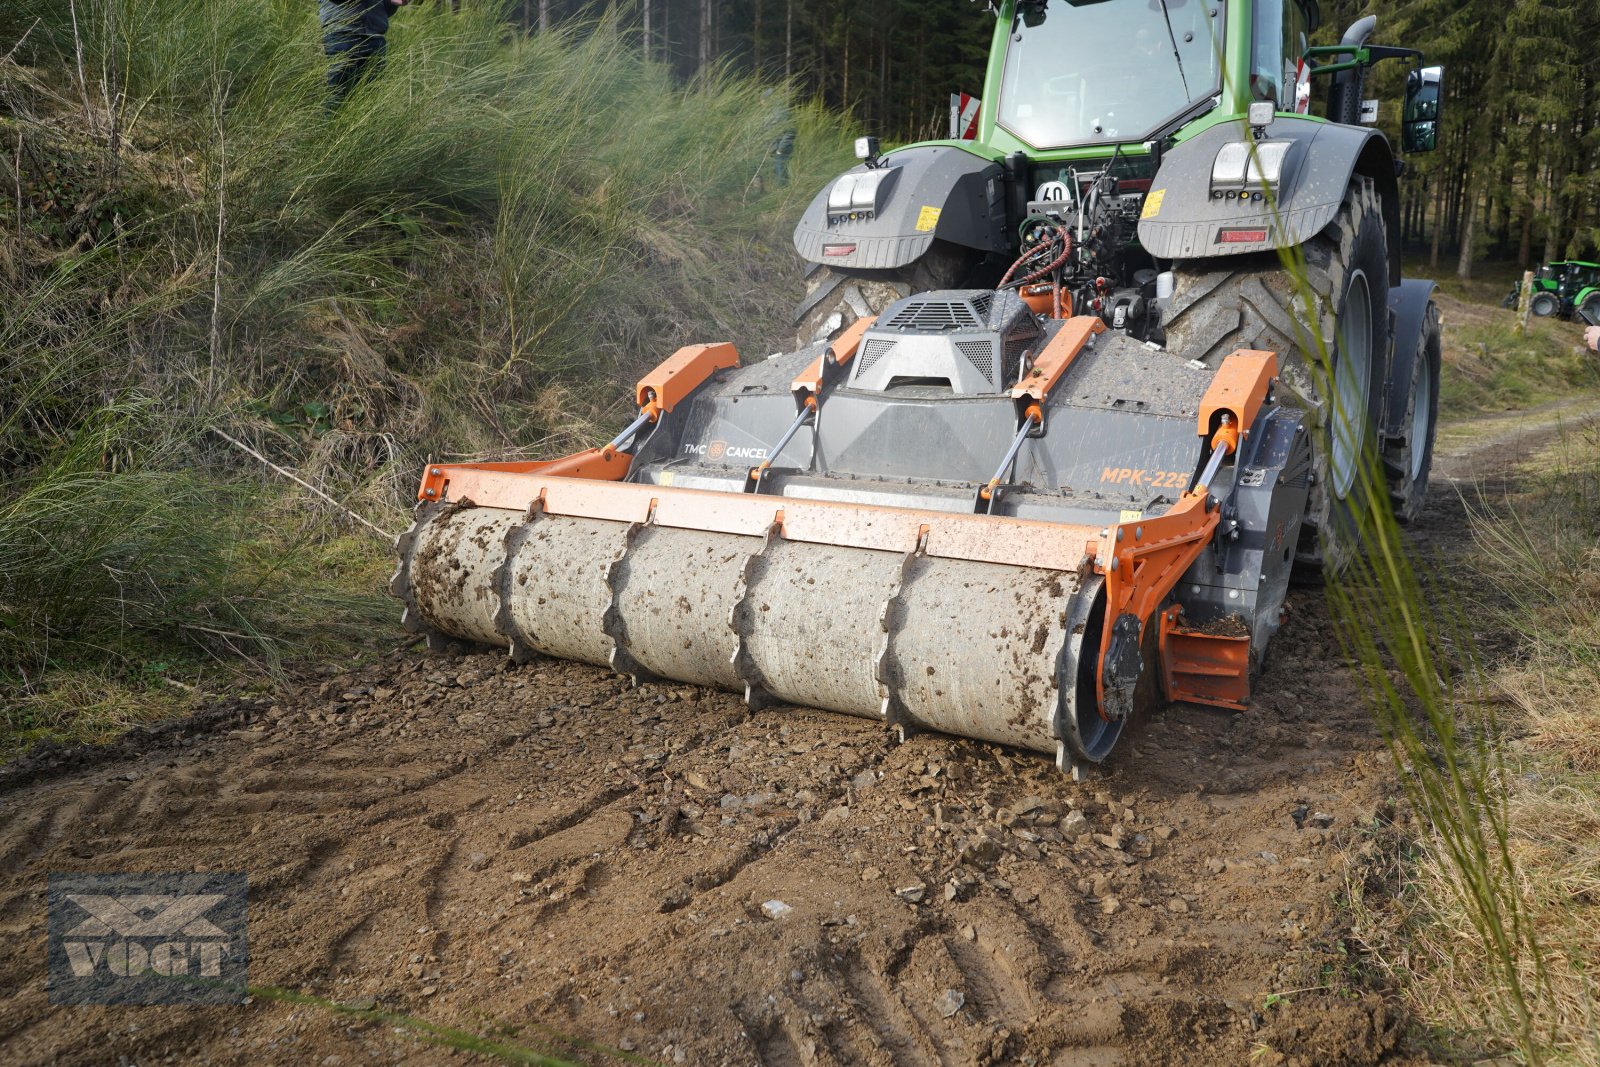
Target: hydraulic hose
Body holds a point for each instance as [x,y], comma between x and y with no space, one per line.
[1035,252]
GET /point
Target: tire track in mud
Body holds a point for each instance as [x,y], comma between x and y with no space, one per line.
[897,1030]
[350,894]
[571,816]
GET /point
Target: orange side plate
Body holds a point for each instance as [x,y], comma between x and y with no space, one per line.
[1204,668]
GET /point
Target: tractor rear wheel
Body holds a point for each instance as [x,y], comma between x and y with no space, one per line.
[836,298]
[1332,344]
[1408,460]
[1590,308]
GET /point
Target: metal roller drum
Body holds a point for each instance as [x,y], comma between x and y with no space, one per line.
[964,647]
[553,586]
[447,571]
[674,591]
[810,625]
[975,649]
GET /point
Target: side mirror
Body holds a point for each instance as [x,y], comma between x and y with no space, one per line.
[1419,128]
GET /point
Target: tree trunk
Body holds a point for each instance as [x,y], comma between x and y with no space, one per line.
[1529,184]
[705,39]
[844,87]
[883,85]
[1469,224]
[649,40]
[544,16]
[755,40]
[1554,210]
[1438,225]
[1504,208]
[788,39]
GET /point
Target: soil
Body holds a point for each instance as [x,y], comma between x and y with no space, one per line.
[541,850]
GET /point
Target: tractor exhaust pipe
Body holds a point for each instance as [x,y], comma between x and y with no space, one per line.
[1344,94]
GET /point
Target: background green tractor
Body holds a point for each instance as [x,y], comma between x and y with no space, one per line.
[1168,145]
[1562,288]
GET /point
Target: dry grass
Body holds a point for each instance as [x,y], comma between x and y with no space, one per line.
[1534,576]
[1554,817]
[91,706]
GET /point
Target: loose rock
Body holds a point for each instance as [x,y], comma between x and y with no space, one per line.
[913,893]
[949,1002]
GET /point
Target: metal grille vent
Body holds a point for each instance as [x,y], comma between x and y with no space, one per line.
[872,350]
[981,304]
[930,316]
[1011,362]
[980,354]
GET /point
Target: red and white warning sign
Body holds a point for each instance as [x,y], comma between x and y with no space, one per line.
[1302,88]
[963,116]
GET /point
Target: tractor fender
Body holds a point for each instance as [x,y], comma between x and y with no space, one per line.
[1408,302]
[1183,219]
[924,192]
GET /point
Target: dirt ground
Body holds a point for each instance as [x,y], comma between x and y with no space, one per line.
[541,850]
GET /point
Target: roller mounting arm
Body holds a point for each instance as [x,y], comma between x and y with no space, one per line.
[1031,394]
[1143,560]
[826,370]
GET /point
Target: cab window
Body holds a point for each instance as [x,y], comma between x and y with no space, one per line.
[1280,39]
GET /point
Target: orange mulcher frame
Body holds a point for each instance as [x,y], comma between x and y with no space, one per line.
[1141,560]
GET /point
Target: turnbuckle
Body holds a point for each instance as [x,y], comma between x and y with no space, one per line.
[646,415]
[808,411]
[1032,418]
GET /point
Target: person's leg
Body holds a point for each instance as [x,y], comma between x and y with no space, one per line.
[352,39]
[347,66]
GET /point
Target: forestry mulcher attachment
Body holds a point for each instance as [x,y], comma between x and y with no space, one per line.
[1014,507]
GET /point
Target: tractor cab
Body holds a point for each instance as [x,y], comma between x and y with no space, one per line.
[1577,276]
[1057,93]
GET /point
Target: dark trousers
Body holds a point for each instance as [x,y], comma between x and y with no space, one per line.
[353,40]
[349,63]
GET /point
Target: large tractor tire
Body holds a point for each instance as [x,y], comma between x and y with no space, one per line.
[1408,459]
[835,298]
[1544,305]
[1220,305]
[1590,308]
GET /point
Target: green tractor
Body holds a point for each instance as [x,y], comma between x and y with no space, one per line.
[1561,289]
[1149,160]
